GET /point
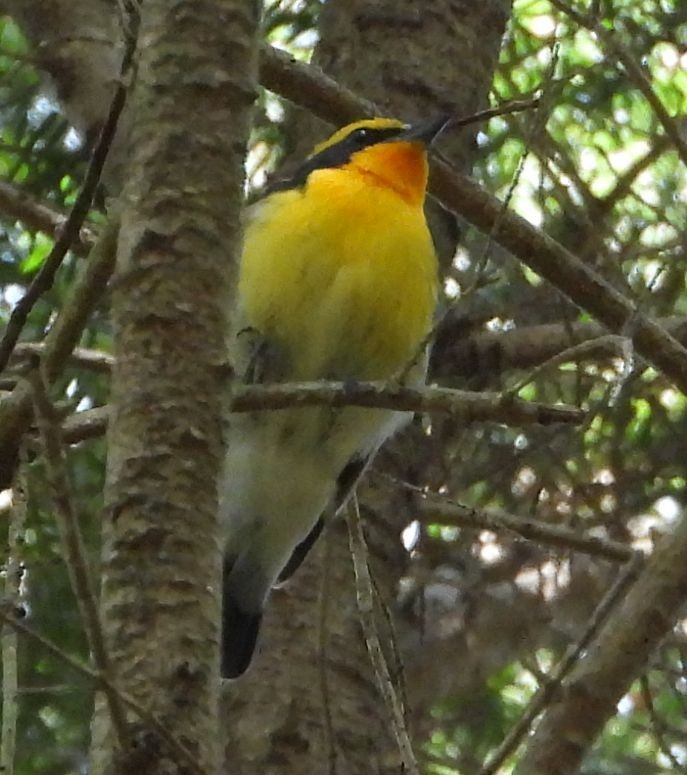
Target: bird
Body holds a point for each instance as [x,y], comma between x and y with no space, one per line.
[337,280]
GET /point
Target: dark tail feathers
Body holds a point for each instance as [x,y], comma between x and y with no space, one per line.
[239,636]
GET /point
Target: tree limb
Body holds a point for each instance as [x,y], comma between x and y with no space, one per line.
[590,695]
[73,549]
[437,510]
[465,405]
[551,687]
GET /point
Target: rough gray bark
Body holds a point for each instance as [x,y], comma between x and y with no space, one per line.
[196,69]
[309,704]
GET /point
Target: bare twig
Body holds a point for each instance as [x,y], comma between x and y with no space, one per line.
[466,405]
[656,725]
[69,233]
[13,597]
[82,357]
[436,509]
[365,600]
[514,106]
[72,542]
[182,754]
[603,343]
[16,409]
[627,576]
[398,673]
[634,72]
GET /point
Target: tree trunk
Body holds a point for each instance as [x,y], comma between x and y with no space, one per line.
[310,703]
[195,82]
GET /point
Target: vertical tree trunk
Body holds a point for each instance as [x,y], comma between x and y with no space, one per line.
[309,703]
[195,82]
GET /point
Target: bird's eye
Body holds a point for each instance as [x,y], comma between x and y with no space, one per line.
[362,136]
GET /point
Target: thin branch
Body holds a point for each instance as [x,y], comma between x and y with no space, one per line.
[466,405]
[68,234]
[544,695]
[514,106]
[181,752]
[621,651]
[310,88]
[72,542]
[438,510]
[365,600]
[399,675]
[634,72]
[656,724]
[82,357]
[610,342]
[16,409]
[38,216]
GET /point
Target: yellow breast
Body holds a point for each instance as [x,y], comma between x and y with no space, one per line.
[341,274]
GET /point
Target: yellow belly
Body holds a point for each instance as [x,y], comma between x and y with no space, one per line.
[341,276]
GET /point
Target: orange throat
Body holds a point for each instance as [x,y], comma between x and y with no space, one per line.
[399,166]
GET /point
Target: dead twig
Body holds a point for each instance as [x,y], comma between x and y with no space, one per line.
[16,409]
[69,233]
[441,511]
[73,547]
[365,600]
[183,755]
[627,576]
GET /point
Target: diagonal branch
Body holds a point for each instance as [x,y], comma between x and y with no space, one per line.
[590,695]
[43,281]
[552,685]
[310,88]
[177,747]
[365,599]
[73,547]
[463,404]
[634,73]
[441,511]
[16,409]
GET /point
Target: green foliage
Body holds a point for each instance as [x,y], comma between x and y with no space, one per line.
[593,169]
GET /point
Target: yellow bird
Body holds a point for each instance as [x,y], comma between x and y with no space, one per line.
[338,281]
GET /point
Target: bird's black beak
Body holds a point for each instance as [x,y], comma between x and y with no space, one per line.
[425,132]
